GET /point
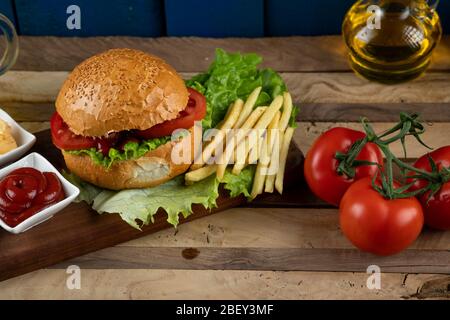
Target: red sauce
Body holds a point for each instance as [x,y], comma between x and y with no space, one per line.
[26,191]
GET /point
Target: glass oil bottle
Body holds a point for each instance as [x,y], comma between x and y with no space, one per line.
[391,41]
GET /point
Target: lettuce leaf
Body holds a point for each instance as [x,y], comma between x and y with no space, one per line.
[232,76]
[138,206]
[131,150]
[239,184]
[293,118]
[88,192]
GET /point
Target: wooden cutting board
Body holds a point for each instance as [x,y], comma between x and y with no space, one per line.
[78,229]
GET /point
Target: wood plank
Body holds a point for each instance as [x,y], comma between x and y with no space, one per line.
[29,112]
[30,86]
[348,88]
[276,259]
[270,228]
[35,127]
[227,284]
[30,96]
[43,87]
[378,111]
[289,54]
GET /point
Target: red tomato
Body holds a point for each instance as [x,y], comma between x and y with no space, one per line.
[195,110]
[436,208]
[65,139]
[378,225]
[197,101]
[321,164]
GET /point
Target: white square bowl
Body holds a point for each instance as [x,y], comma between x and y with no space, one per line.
[36,161]
[24,140]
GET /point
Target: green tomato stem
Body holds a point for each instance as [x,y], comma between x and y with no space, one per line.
[427,175]
[406,126]
[403,132]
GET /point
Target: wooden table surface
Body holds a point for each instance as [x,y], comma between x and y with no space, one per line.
[227,248]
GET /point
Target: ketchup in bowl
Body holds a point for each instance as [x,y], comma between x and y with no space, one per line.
[26,191]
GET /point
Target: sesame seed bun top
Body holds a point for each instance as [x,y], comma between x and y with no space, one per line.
[120,89]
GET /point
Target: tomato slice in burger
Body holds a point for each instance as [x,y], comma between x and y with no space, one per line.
[65,139]
[198,102]
[195,111]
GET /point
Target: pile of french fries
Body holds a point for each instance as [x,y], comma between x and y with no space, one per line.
[249,135]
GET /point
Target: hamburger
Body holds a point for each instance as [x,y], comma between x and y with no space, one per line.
[115,115]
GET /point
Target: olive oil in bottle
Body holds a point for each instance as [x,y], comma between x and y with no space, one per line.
[391,41]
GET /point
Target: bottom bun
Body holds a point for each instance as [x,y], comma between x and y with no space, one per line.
[154,168]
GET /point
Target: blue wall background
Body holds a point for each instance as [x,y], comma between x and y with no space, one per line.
[99,17]
[204,18]
[6,8]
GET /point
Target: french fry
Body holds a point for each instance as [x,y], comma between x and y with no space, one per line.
[287,137]
[239,127]
[207,151]
[273,154]
[265,153]
[227,123]
[265,156]
[233,116]
[258,180]
[248,106]
[262,124]
[237,168]
[200,174]
[269,184]
[271,135]
[228,153]
[274,162]
[255,151]
[252,118]
[249,142]
[287,110]
[268,115]
[225,158]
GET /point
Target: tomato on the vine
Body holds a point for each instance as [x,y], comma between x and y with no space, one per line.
[437,207]
[321,163]
[376,224]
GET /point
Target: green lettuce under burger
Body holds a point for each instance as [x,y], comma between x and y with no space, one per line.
[138,206]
